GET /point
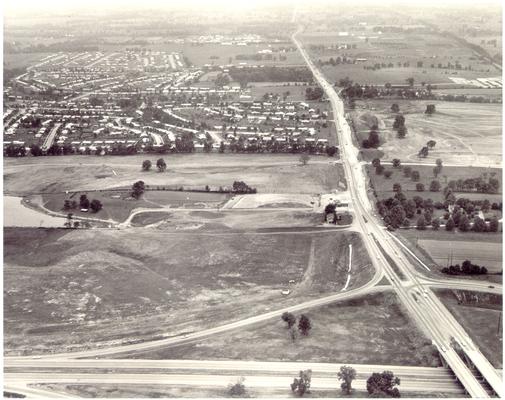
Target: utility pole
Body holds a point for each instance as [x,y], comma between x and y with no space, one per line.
[499,323]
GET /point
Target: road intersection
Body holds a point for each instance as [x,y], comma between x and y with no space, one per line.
[411,286]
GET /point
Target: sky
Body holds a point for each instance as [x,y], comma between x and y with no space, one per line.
[14,7]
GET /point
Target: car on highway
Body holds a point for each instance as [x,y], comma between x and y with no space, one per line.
[443,348]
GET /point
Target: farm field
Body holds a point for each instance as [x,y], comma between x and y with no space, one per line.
[480,315]
[268,173]
[87,288]
[352,331]
[414,239]
[392,48]
[449,127]
[482,253]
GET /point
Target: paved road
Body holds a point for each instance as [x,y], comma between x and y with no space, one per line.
[219,381]
[48,142]
[430,314]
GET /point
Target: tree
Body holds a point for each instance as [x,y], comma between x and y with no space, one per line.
[435,223]
[407,171]
[436,170]
[379,169]
[435,186]
[383,384]
[439,162]
[162,166]
[387,174]
[138,189]
[68,224]
[397,187]
[450,224]
[237,389]
[479,225]
[410,81]
[95,205]
[402,131]
[419,187]
[415,176]
[346,375]
[431,144]
[35,150]
[464,223]
[494,224]
[146,165]
[301,385]
[84,202]
[421,223]
[222,80]
[406,223]
[376,162]
[395,108]
[304,159]
[304,325]
[396,162]
[430,109]
[331,151]
[289,318]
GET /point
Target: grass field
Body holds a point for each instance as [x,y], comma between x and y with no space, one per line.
[368,330]
[167,391]
[81,288]
[481,318]
[449,127]
[269,173]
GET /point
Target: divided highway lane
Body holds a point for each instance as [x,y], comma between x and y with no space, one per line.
[213,380]
[430,317]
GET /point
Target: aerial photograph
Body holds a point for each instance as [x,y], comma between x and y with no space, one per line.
[252,199]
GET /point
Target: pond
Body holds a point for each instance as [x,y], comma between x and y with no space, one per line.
[16,214]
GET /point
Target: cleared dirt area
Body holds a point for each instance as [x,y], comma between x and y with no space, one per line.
[373,329]
[276,200]
[267,173]
[464,132]
[83,288]
[480,314]
[484,254]
[232,220]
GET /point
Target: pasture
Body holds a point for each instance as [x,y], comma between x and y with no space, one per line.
[86,288]
[467,133]
[384,186]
